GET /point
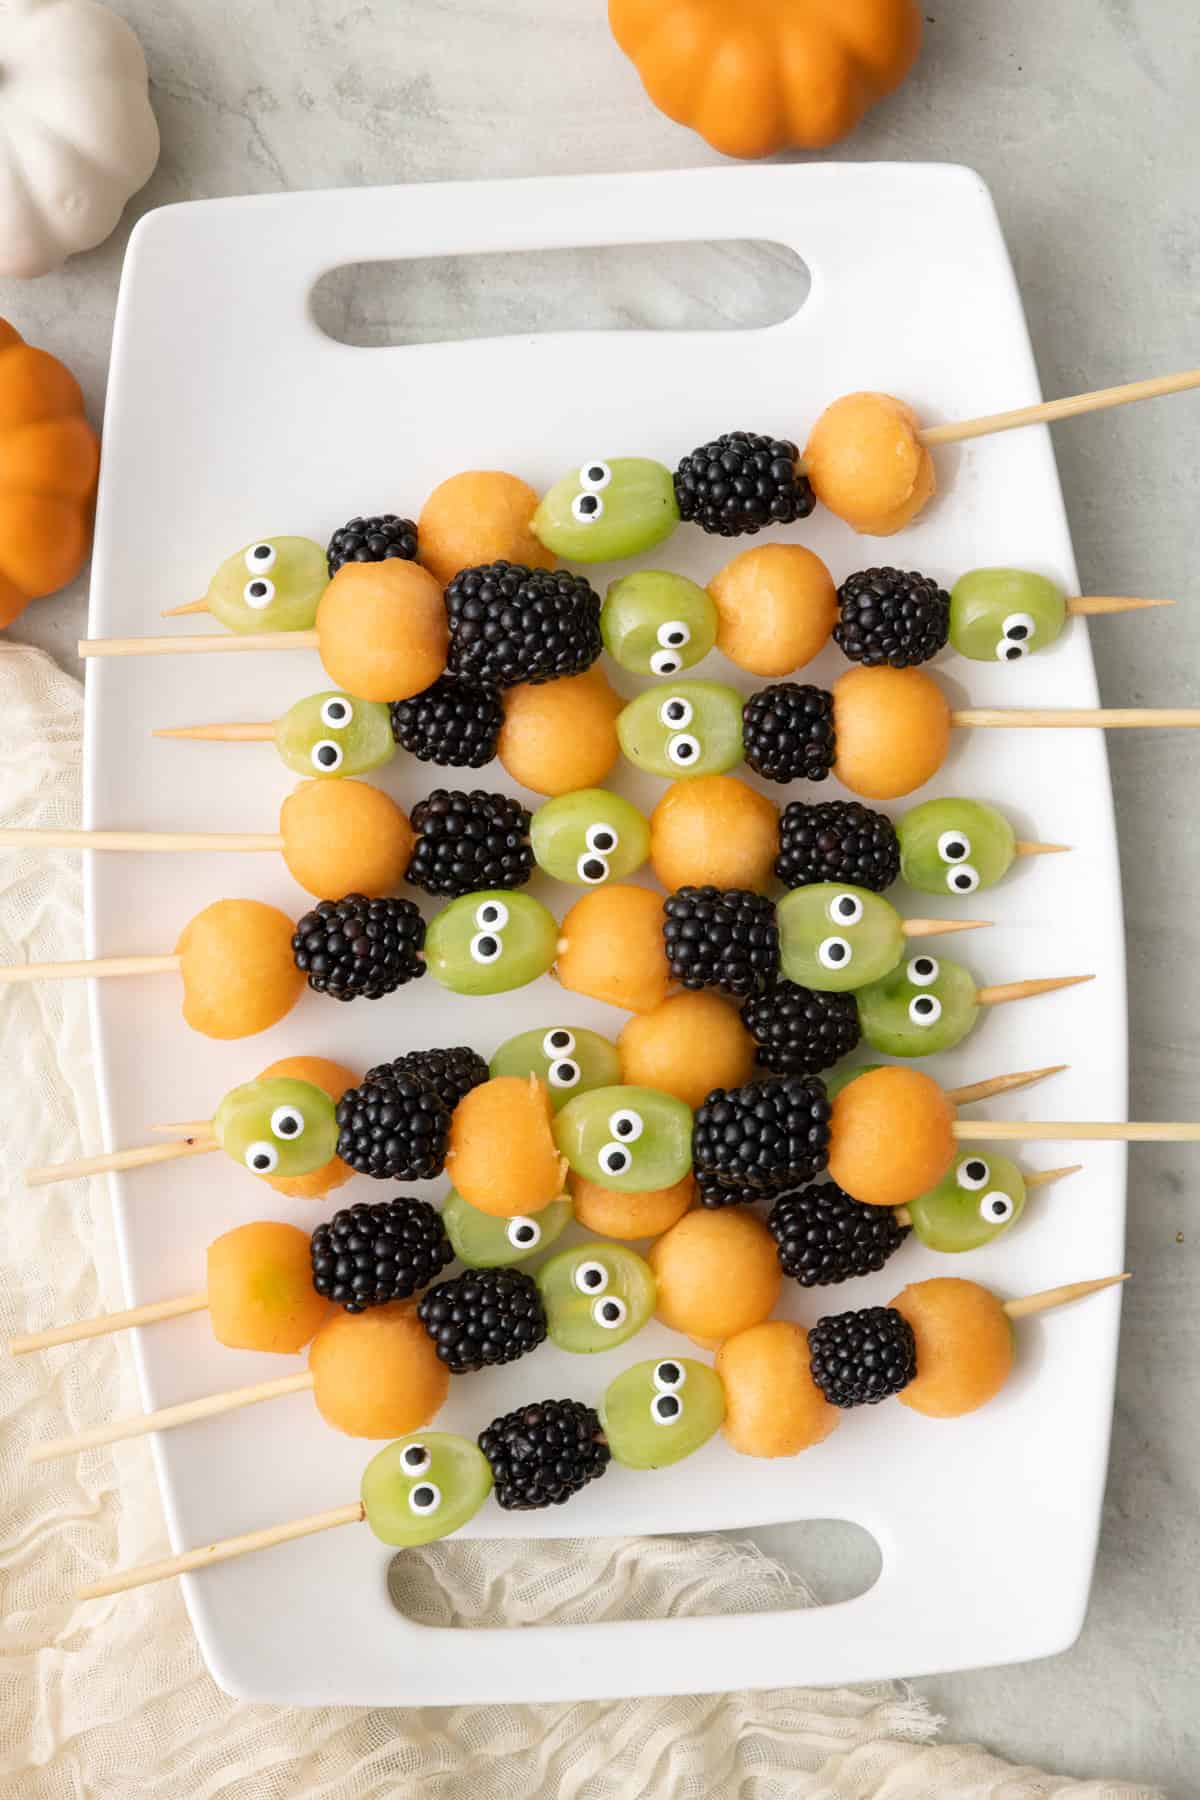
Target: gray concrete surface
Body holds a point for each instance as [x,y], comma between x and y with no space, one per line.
[1084,118]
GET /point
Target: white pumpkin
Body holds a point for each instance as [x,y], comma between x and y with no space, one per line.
[77,136]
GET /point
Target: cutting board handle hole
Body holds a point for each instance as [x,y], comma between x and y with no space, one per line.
[729,285]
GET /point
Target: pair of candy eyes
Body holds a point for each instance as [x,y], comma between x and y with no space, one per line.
[608,1310]
[325,754]
[427,1496]
[996,1207]
[1016,637]
[487,945]
[962,877]
[287,1124]
[626,1127]
[601,840]
[559,1046]
[683,747]
[587,508]
[259,592]
[837,952]
[666,1408]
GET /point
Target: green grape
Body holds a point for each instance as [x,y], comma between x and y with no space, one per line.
[657,624]
[954,846]
[836,938]
[659,1412]
[490,942]
[633,1139]
[596,1296]
[483,1242]
[424,1487]
[1004,614]
[277,1126]
[274,584]
[568,1059]
[608,510]
[683,728]
[589,837]
[924,1006]
[979,1197]
[335,734]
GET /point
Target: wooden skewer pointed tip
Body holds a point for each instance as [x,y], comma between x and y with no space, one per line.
[1026,990]
[1050,1298]
[1001,1084]
[919,928]
[189,606]
[1089,605]
[1022,848]
[1038,1178]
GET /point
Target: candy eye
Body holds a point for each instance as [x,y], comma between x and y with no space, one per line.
[258,593]
[1020,628]
[666,662]
[486,948]
[591,1278]
[592,870]
[602,838]
[845,909]
[923,971]
[973,1174]
[954,847]
[336,713]
[523,1233]
[260,557]
[674,634]
[626,1125]
[996,1208]
[668,1375]
[559,1042]
[415,1459]
[425,1499]
[586,508]
[564,1073]
[261,1158]
[594,476]
[963,879]
[834,953]
[287,1122]
[665,1409]
[614,1159]
[610,1312]
[327,756]
[492,915]
[1009,650]
[675,713]
[925,1009]
[683,748]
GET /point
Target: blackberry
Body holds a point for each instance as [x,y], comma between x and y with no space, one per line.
[469,841]
[787,732]
[722,938]
[889,616]
[763,1137]
[359,948]
[825,1237]
[713,1192]
[741,482]
[394,1128]
[453,723]
[367,1255]
[837,840]
[378,539]
[860,1358]
[797,1031]
[483,1317]
[542,1454]
[510,624]
[450,1073]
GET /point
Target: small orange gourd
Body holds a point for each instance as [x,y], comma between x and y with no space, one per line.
[754,76]
[49,457]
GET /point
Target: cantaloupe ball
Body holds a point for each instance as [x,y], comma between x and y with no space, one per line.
[239,974]
[714,829]
[613,1215]
[260,1289]
[383,629]
[892,728]
[559,736]
[376,1374]
[717,1273]
[964,1342]
[689,1045]
[866,464]
[776,606]
[611,948]
[891,1136]
[502,1156]
[345,837]
[480,516]
[333,1080]
[773,1407]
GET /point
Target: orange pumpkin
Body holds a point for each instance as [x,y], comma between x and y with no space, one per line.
[48,462]
[753,76]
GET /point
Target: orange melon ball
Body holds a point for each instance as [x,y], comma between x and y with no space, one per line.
[382,629]
[867,465]
[611,948]
[260,1291]
[776,606]
[376,1374]
[689,1045]
[239,975]
[333,1080]
[717,1273]
[891,1136]
[502,1157]
[559,736]
[480,516]
[613,1215]
[892,728]
[345,837]
[714,829]
[773,1407]
[964,1342]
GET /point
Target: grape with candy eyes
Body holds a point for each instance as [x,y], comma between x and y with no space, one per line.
[657,624]
[277,1126]
[335,734]
[482,1241]
[273,584]
[980,1196]
[633,1139]
[954,846]
[424,1487]
[656,1413]
[836,938]
[490,942]
[1004,614]
[926,1005]
[596,1296]
[606,510]
[568,1059]
[683,728]
[589,837]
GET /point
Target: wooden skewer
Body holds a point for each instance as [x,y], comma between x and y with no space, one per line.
[116,1159]
[1001,1084]
[249,733]
[99,966]
[919,928]
[222,1551]
[1091,604]
[213,644]
[1047,411]
[192,1129]
[106,1323]
[1025,990]
[167,1417]
[1049,1298]
[189,606]
[140,840]
[1023,849]
[1081,1131]
[1035,1179]
[1068,718]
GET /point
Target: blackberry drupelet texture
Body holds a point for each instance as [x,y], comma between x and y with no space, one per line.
[797,1031]
[860,1358]
[787,732]
[393,1127]
[469,841]
[376,539]
[837,840]
[455,724]
[763,1137]
[723,938]
[450,1073]
[825,1237]
[740,482]
[357,948]
[367,1255]
[510,624]
[891,616]
[542,1454]
[483,1317]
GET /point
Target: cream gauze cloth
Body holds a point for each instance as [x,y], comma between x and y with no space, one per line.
[110,1700]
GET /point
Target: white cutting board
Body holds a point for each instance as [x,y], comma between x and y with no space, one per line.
[230,416]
